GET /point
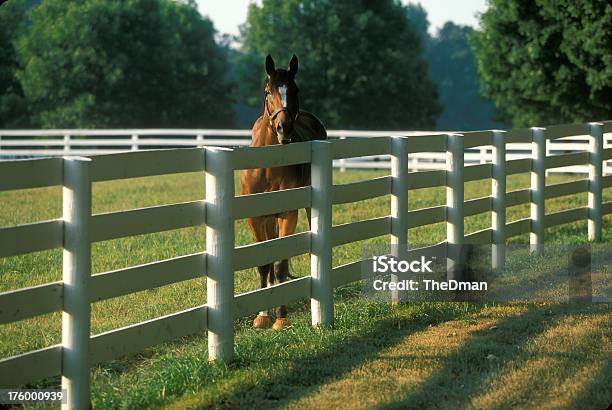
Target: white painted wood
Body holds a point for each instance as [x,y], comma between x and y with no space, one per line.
[518,197]
[566,216]
[135,338]
[426,216]
[426,143]
[347,273]
[135,142]
[482,237]
[262,253]
[360,231]
[76,279]
[146,163]
[15,371]
[566,160]
[31,173]
[39,236]
[566,188]
[29,302]
[270,203]
[399,206]
[271,156]
[483,155]
[477,206]
[519,135]
[538,173]
[141,221]
[147,276]
[595,186]
[271,297]
[342,160]
[477,172]
[128,132]
[220,250]
[477,139]
[66,144]
[565,130]
[454,202]
[426,179]
[322,301]
[359,147]
[518,227]
[498,202]
[518,166]
[361,190]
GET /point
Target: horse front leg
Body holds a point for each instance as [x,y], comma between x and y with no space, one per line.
[287,223]
[262,320]
[263,229]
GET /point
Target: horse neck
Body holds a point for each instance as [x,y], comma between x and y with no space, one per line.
[263,134]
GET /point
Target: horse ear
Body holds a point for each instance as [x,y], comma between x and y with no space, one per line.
[270,65]
[293,65]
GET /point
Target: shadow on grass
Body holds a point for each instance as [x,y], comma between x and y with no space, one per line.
[466,372]
[298,376]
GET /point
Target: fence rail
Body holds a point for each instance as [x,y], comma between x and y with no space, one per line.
[78,228]
[428,152]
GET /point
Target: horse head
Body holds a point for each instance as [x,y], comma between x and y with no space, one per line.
[281,104]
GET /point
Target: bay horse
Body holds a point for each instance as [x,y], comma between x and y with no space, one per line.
[281,122]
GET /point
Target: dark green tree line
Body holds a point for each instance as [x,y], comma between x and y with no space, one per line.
[361,62]
[547,61]
[132,63]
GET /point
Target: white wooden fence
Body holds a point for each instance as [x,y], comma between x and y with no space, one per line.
[79,228]
[45,143]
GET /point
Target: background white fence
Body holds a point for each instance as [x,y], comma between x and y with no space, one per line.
[44,143]
[79,228]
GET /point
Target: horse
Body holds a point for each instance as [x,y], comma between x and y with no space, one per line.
[281,122]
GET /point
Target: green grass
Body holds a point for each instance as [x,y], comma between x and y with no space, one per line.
[371,346]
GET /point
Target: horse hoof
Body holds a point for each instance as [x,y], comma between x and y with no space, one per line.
[262,322]
[281,323]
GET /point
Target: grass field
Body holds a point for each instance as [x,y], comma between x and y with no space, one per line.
[454,355]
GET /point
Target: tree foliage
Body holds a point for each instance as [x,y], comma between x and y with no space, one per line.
[13,107]
[361,62]
[132,63]
[453,68]
[547,61]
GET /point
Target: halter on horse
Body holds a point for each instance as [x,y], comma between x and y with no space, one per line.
[281,122]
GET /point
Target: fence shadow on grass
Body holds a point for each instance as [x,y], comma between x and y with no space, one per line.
[303,375]
[466,372]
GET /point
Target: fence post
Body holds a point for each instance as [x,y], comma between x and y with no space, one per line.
[219,252]
[498,216]
[538,185]
[595,177]
[67,144]
[454,203]
[134,142]
[399,206]
[322,298]
[76,280]
[199,140]
[483,155]
[342,160]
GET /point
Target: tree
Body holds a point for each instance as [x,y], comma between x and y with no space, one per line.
[133,63]
[453,68]
[417,16]
[547,61]
[13,107]
[361,63]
